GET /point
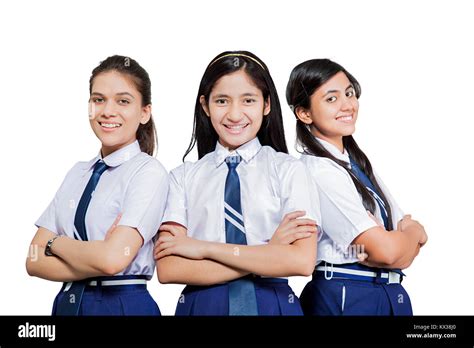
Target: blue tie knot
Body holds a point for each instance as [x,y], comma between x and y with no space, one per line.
[233,161]
[100,167]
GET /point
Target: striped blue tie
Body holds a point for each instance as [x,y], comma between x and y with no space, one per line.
[72,297]
[242,298]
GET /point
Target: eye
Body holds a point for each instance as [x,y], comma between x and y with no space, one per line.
[124,101]
[331,99]
[350,93]
[97,100]
[249,100]
[221,101]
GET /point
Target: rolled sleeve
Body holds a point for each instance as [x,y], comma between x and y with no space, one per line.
[176,203]
[297,190]
[345,215]
[145,200]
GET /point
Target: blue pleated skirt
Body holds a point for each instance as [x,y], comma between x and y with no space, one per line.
[114,300]
[274,297]
[354,297]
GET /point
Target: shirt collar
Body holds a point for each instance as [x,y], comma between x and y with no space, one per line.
[247,151]
[118,157]
[333,150]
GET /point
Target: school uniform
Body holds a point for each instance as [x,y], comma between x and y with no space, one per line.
[134,184]
[341,285]
[272,184]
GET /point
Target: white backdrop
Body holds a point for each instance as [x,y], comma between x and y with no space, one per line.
[412,59]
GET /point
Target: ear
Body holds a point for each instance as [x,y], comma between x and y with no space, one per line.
[267,107]
[202,100]
[146,114]
[303,115]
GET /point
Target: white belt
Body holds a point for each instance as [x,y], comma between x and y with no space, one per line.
[393,277]
[117,282]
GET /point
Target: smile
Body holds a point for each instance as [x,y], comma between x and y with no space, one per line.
[110,125]
[344,118]
[236,129]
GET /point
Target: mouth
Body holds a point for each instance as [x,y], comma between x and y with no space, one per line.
[109,126]
[236,128]
[345,118]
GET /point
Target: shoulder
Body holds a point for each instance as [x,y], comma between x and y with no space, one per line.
[326,173]
[188,169]
[144,167]
[282,162]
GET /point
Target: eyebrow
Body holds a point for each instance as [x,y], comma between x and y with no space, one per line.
[121,93]
[243,95]
[336,90]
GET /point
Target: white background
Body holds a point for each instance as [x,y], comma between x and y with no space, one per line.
[412,58]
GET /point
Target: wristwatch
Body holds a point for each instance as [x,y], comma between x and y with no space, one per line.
[47,250]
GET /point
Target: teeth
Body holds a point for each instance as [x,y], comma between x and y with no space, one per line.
[110,125]
[237,126]
[345,118]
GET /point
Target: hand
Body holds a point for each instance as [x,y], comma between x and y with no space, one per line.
[113,227]
[407,222]
[178,243]
[292,228]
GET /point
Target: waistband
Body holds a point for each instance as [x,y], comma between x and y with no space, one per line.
[356,271]
[112,281]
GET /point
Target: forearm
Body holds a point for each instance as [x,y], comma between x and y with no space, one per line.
[267,260]
[52,268]
[87,257]
[408,248]
[180,270]
[397,249]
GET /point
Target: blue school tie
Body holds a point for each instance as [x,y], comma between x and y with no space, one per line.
[364,179]
[242,297]
[72,297]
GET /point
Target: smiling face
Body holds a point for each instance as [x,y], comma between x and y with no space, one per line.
[333,110]
[236,108]
[116,111]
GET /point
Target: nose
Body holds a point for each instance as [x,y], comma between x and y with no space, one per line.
[347,104]
[235,113]
[109,109]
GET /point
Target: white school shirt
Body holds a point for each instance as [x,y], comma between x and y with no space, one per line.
[136,184]
[272,184]
[344,216]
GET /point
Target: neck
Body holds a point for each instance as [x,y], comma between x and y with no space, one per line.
[107,150]
[336,141]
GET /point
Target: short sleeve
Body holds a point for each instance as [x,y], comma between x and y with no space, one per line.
[176,203]
[49,218]
[145,200]
[345,216]
[297,192]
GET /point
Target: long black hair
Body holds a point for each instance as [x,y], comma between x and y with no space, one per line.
[146,133]
[305,79]
[271,131]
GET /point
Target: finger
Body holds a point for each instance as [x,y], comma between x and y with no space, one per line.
[165,239]
[304,229]
[293,215]
[300,235]
[164,253]
[300,222]
[362,257]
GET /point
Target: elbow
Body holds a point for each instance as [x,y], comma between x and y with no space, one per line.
[163,274]
[388,257]
[305,266]
[112,265]
[30,268]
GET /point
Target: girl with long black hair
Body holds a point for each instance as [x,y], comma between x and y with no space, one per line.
[218,235]
[359,215]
